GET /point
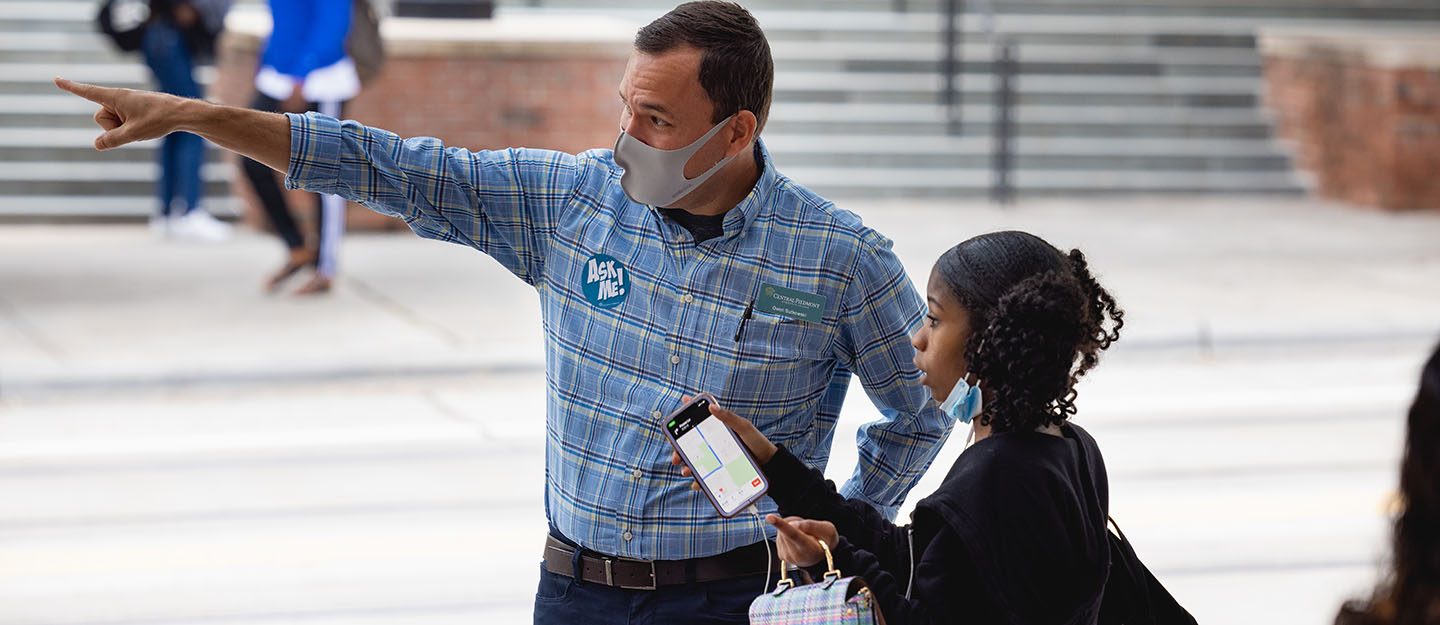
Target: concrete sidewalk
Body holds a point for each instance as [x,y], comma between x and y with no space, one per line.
[177,448]
[109,308]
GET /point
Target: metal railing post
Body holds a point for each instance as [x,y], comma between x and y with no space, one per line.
[1003,191]
[950,66]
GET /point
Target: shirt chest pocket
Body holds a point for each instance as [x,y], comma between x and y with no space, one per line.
[774,337]
[769,340]
[781,366]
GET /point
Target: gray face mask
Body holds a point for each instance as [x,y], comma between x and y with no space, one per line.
[656,177]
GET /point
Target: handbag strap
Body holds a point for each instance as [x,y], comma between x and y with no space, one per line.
[831,573]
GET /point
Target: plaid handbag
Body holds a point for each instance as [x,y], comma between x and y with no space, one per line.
[835,600]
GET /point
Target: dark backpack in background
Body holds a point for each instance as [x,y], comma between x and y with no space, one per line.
[1133,596]
[124,22]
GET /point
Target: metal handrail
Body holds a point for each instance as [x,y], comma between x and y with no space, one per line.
[950,64]
[1002,161]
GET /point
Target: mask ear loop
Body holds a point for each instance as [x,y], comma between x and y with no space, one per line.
[970,438]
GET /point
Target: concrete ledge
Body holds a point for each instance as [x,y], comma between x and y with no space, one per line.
[1389,47]
[1361,106]
[504,36]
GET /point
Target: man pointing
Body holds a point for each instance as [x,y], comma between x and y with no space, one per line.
[646,259]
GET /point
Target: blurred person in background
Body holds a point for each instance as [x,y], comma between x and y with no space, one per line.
[1016,532]
[304,67]
[650,261]
[1410,594]
[180,35]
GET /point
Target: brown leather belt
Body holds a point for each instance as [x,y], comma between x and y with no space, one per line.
[634,574]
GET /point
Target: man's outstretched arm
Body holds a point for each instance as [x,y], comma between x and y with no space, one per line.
[128,116]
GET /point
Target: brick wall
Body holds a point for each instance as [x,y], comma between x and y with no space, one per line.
[467,100]
[1368,132]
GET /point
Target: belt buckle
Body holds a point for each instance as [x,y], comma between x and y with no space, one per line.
[610,575]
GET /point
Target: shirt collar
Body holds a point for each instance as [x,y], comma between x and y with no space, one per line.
[744,213]
[736,219]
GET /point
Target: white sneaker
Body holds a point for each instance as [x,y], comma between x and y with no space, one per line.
[198,225]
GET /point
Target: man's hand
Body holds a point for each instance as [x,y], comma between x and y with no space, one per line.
[760,447]
[128,115]
[797,539]
[184,15]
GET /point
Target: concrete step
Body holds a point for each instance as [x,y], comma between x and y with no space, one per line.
[903,130]
[989,69]
[982,160]
[1345,9]
[60,47]
[76,153]
[38,78]
[882,145]
[48,208]
[1030,89]
[888,182]
[839,23]
[811,111]
[899,51]
[978,120]
[97,178]
[78,144]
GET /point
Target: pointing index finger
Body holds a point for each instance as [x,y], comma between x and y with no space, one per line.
[89,92]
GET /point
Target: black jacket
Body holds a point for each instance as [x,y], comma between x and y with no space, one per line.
[1015,534]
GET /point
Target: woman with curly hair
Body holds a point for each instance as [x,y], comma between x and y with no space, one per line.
[1411,594]
[1016,532]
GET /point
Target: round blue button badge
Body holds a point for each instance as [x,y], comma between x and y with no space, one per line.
[607,282]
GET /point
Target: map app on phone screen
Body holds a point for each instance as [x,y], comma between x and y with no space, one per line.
[726,472]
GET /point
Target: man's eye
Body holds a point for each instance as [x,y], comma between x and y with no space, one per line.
[658,121]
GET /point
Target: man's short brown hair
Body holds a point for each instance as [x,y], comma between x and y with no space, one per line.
[736,69]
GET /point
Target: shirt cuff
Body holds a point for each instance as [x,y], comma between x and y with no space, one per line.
[314,153]
[851,490]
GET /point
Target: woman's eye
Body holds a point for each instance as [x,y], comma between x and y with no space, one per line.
[933,321]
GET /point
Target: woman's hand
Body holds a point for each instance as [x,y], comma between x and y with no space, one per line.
[796,539]
[760,447]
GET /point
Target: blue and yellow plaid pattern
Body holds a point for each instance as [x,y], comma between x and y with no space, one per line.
[613,371]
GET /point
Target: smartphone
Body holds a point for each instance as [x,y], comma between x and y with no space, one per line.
[727,474]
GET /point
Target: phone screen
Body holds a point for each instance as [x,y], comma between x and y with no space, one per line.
[716,458]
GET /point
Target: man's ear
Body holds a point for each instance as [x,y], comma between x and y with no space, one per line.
[741,132]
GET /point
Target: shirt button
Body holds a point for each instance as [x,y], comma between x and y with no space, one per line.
[628,535]
[675,360]
[655,415]
[689,298]
[638,473]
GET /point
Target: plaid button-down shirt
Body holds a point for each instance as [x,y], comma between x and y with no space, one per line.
[636,315]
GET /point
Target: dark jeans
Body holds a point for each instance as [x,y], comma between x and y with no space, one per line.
[329,209]
[561,600]
[181,153]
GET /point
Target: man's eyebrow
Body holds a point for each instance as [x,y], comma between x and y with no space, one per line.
[645,105]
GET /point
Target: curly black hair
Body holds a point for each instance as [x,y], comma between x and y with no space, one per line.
[1038,322]
[1411,593]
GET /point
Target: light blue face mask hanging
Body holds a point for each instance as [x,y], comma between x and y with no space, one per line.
[963,402]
